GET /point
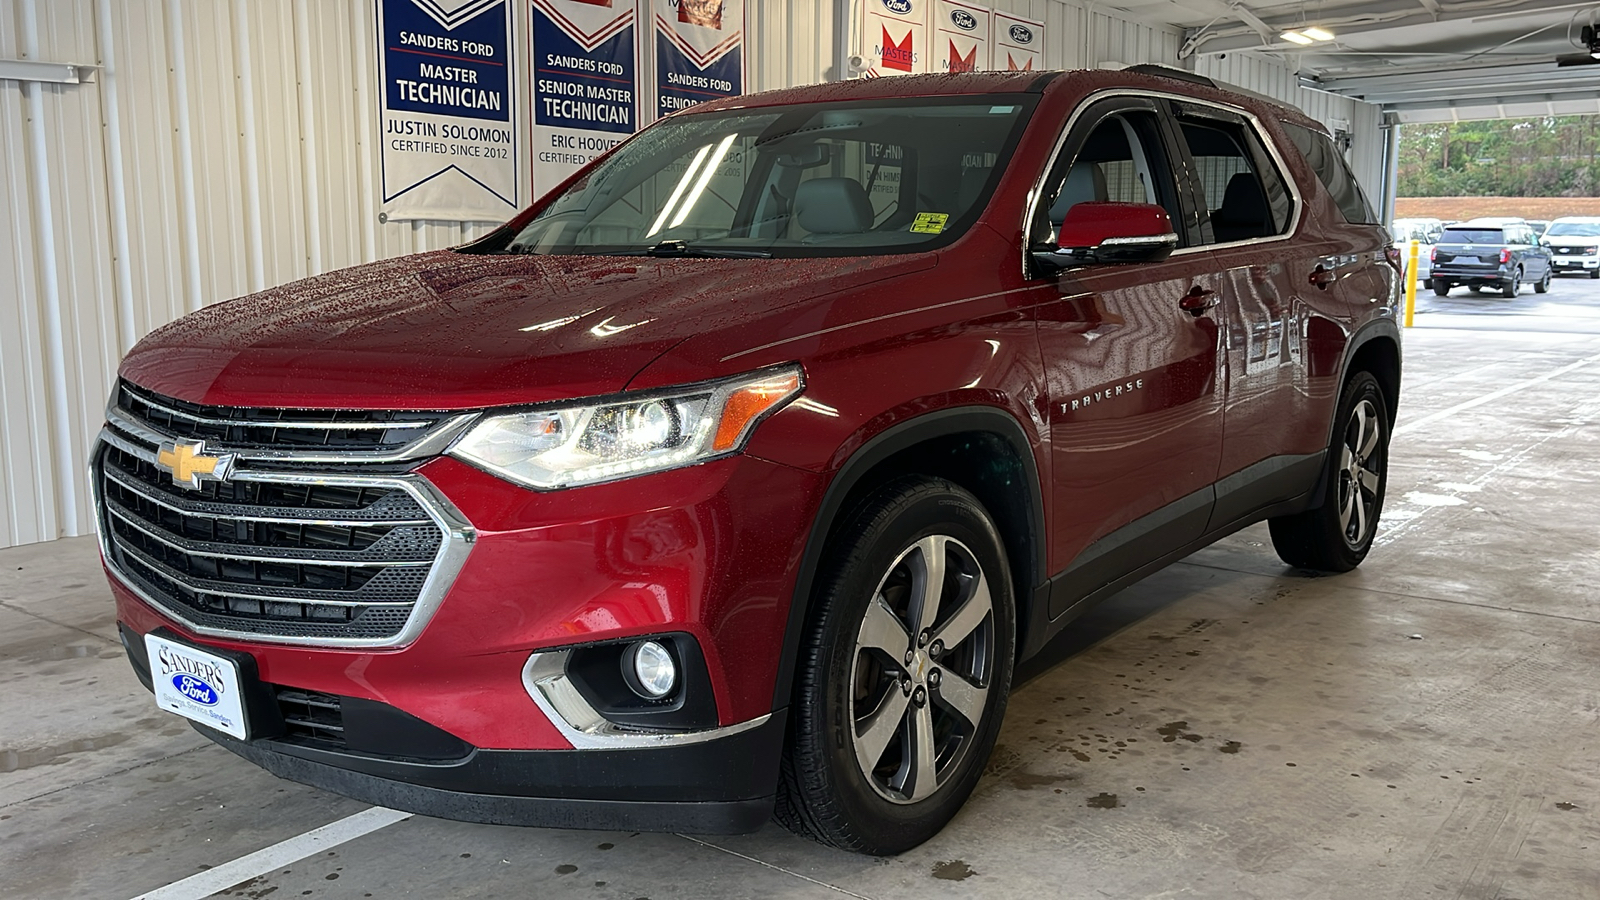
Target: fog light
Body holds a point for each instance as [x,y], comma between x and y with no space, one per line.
[649,670]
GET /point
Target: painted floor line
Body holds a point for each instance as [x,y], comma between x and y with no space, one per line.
[831,887]
[1491,397]
[204,884]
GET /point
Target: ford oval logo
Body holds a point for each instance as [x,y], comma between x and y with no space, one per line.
[195,689]
[1019,33]
[963,20]
[901,7]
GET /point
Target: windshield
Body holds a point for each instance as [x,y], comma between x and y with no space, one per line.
[818,179]
[1473,236]
[1574,229]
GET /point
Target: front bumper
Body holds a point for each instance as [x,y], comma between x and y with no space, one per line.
[722,786]
[703,552]
[1575,263]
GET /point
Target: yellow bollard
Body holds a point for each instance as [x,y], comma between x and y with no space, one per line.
[1411,286]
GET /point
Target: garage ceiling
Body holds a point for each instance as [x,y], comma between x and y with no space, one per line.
[1424,60]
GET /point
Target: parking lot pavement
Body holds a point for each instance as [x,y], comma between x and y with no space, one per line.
[1572,305]
[1427,726]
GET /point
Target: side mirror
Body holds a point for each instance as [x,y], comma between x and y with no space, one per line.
[1095,232]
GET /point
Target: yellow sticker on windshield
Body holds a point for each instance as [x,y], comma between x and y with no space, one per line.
[930,223]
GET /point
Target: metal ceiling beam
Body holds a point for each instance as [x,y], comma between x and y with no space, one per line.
[1400,99]
[1555,79]
[1497,100]
[1219,10]
[1431,74]
[1346,21]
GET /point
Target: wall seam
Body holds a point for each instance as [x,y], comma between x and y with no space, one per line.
[49,286]
[182,137]
[244,99]
[310,187]
[111,141]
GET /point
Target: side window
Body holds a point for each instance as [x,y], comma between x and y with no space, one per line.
[1121,160]
[1244,199]
[1334,174]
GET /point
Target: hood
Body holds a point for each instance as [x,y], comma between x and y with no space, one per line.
[445,330]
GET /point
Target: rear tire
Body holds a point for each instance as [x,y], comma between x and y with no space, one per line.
[1512,288]
[1336,535]
[904,671]
[1440,288]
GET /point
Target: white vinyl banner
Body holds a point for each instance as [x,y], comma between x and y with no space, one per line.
[1018,42]
[585,83]
[448,115]
[699,48]
[894,37]
[960,36]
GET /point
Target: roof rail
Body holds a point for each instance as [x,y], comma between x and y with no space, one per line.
[1170,72]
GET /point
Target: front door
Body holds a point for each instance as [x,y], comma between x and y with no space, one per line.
[1134,379]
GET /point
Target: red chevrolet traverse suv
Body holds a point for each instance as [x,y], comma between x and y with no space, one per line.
[732,478]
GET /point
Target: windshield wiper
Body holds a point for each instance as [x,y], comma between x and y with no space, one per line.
[682,249]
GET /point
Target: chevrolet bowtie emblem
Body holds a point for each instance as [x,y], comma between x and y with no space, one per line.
[189,465]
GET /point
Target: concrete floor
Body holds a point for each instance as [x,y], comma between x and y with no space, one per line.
[1427,726]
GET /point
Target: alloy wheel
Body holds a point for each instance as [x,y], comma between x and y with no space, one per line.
[924,660]
[1360,468]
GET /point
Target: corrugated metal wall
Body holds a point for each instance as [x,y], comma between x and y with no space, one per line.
[230,145]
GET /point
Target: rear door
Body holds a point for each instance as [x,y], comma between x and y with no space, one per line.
[1249,212]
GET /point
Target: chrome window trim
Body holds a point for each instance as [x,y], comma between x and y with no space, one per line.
[544,676]
[1297,203]
[458,538]
[431,444]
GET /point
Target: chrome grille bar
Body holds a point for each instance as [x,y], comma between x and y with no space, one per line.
[339,557]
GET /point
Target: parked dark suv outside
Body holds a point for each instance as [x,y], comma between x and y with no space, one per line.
[1494,253]
[732,478]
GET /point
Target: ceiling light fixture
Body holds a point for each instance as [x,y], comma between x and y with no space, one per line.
[1295,37]
[1317,34]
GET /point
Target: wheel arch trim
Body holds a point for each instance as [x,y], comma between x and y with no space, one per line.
[897,438]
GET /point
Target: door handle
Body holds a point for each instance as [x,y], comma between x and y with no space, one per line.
[1198,300]
[1322,276]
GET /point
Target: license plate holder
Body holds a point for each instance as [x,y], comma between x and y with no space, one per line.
[200,685]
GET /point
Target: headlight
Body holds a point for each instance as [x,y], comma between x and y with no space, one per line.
[584,444]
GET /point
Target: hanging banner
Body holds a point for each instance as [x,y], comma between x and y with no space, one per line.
[1018,42]
[699,51]
[447,117]
[585,83]
[960,36]
[894,37]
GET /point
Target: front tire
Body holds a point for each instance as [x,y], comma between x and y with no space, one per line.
[1593,274]
[1543,284]
[1336,535]
[904,671]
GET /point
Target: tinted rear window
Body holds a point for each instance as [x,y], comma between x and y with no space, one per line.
[1472,236]
[1334,174]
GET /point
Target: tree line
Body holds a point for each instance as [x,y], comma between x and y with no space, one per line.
[1549,156]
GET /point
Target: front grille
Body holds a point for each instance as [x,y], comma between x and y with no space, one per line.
[312,716]
[279,429]
[300,557]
